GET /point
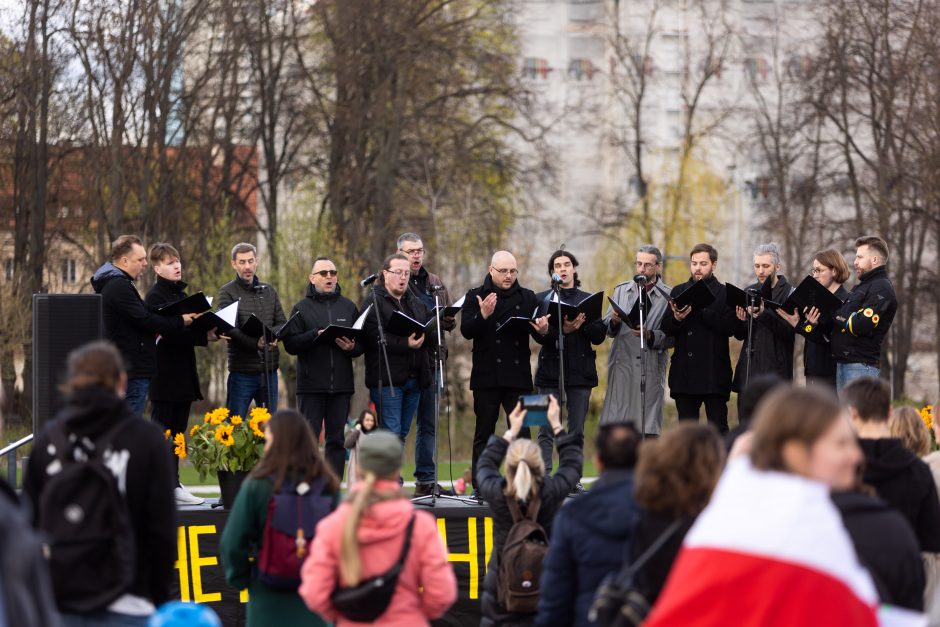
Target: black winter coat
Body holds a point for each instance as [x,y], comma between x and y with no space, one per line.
[404,362]
[553,491]
[129,322]
[591,536]
[500,360]
[818,361]
[863,321]
[147,475]
[701,361]
[886,546]
[580,357]
[261,300]
[177,379]
[905,483]
[322,369]
[773,339]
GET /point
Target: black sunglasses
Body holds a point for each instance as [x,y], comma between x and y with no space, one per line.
[326,273]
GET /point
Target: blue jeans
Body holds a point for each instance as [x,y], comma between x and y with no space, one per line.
[577,400]
[846,373]
[136,394]
[396,414]
[103,619]
[424,440]
[243,388]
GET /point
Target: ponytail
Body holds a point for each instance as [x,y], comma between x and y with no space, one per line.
[350,566]
[524,470]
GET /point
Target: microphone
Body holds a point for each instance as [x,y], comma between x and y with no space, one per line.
[369,280]
[260,287]
[556,279]
[435,288]
[640,279]
[752,296]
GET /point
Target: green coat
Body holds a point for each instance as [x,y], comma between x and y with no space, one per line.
[241,539]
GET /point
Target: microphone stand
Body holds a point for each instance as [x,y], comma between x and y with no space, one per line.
[383,346]
[441,391]
[751,299]
[556,287]
[642,307]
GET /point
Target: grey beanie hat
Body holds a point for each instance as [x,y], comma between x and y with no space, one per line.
[380,452]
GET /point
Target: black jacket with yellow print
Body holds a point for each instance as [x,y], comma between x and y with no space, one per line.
[863,322]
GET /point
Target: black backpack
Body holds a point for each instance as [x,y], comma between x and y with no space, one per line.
[85,522]
[521,560]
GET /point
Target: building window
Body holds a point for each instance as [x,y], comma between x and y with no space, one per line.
[581,69]
[757,68]
[68,271]
[533,67]
[8,269]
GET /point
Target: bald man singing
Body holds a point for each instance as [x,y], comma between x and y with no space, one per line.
[501,370]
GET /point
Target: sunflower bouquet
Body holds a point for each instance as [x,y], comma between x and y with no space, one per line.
[224,442]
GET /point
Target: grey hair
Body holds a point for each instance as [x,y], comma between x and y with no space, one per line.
[768,249]
[243,247]
[649,249]
[408,237]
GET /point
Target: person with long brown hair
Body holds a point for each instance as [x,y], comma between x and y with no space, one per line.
[365,538]
[291,458]
[675,477]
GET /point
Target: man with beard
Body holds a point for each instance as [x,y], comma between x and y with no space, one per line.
[772,338]
[247,378]
[701,362]
[580,358]
[325,381]
[624,366]
[408,356]
[423,285]
[863,321]
[501,371]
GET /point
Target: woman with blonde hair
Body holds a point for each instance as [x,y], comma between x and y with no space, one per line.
[370,535]
[524,487]
[906,425]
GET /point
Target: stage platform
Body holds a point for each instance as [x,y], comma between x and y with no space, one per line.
[466,528]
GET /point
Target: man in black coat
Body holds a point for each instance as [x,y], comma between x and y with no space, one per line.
[700,371]
[424,285]
[898,475]
[176,385]
[324,371]
[580,358]
[862,323]
[128,322]
[501,371]
[772,337]
[409,358]
[247,378]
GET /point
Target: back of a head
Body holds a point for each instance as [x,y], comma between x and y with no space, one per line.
[524,469]
[293,452]
[96,364]
[756,390]
[616,445]
[791,414]
[676,473]
[870,397]
[907,425]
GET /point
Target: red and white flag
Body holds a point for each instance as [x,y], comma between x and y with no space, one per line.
[770,550]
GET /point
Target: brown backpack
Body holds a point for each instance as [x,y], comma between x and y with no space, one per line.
[520,562]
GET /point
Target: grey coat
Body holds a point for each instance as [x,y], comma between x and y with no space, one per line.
[624,365]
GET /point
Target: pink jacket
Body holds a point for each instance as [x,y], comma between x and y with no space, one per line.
[427,585]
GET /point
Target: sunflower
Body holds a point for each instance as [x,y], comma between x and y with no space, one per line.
[236,420]
[218,415]
[193,431]
[224,434]
[166,434]
[180,442]
[926,414]
[227,439]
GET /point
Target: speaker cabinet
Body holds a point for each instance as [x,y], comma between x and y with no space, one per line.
[61,323]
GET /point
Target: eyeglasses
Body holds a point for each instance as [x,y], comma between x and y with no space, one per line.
[818,270]
[413,251]
[326,273]
[505,271]
[399,273]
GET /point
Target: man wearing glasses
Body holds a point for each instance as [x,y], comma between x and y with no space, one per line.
[325,381]
[625,363]
[501,359]
[423,285]
[409,357]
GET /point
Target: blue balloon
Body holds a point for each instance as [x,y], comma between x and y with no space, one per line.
[179,614]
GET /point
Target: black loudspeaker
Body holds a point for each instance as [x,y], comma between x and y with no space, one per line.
[61,323]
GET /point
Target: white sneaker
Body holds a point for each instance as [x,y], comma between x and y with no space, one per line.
[184,497]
